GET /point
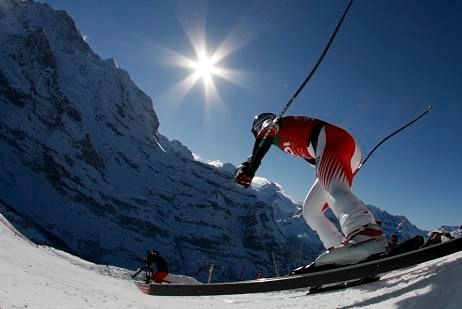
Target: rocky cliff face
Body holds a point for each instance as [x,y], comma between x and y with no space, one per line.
[80,166]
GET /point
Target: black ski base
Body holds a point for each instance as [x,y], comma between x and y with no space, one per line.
[341,286]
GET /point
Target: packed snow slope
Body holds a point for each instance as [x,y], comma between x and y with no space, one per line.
[38,277]
[81,169]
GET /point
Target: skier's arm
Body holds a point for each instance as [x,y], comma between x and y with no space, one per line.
[258,153]
[246,171]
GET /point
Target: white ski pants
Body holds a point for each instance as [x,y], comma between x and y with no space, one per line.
[338,158]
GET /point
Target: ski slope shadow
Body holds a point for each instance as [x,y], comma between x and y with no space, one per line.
[444,290]
[431,286]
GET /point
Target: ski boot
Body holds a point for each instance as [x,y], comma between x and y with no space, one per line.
[362,244]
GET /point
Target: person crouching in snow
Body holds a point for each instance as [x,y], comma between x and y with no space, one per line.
[161,272]
[336,157]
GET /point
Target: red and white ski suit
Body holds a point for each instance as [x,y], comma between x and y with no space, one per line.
[336,157]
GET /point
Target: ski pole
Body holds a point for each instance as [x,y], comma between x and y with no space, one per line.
[313,70]
[392,134]
[210,273]
[137,272]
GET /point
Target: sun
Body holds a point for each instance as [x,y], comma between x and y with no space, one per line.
[204,68]
[204,65]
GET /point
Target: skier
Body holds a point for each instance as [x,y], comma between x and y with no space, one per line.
[437,237]
[336,158]
[153,256]
[392,243]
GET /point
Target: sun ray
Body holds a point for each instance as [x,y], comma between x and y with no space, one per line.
[205,65]
[180,90]
[234,76]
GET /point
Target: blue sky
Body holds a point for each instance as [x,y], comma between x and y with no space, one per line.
[391,59]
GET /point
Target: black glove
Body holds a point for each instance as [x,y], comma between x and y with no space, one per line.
[244,175]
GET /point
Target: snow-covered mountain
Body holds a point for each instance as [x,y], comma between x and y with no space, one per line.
[83,167]
[38,277]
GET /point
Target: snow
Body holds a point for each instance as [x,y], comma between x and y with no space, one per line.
[42,277]
[259,182]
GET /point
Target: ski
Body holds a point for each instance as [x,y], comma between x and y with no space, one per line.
[341,286]
[312,279]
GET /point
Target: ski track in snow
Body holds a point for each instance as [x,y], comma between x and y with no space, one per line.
[44,278]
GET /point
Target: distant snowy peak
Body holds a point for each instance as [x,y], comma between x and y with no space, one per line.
[393,224]
[177,148]
[227,167]
[55,43]
[272,194]
[30,16]
[450,228]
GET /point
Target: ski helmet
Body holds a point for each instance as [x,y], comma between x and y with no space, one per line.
[260,120]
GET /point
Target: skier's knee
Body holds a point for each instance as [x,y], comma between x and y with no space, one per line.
[340,192]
